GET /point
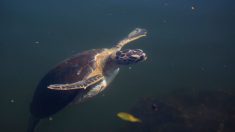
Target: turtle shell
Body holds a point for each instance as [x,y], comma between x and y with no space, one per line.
[46,101]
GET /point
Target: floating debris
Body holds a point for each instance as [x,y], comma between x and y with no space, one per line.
[128,117]
[155,107]
[129,68]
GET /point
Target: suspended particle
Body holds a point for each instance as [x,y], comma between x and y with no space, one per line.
[12,101]
[50,118]
[193,7]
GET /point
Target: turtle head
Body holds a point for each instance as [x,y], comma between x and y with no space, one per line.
[130,56]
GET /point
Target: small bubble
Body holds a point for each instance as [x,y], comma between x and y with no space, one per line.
[129,68]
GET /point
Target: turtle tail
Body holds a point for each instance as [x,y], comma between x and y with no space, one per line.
[33,121]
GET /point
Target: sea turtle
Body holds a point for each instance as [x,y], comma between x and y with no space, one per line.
[82,77]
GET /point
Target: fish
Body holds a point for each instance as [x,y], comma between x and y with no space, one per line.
[128,117]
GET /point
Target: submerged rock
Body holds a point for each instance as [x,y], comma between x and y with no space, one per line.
[184,111]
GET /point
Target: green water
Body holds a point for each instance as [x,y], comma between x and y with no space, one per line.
[187,49]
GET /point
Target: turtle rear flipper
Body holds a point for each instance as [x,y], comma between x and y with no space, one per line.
[77,85]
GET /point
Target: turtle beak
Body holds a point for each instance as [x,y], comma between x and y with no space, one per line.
[145,56]
[142,56]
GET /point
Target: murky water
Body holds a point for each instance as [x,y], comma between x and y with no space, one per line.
[190,47]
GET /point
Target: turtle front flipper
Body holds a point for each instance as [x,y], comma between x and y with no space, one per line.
[134,35]
[77,85]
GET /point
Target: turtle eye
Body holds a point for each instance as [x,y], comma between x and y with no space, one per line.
[118,58]
[118,53]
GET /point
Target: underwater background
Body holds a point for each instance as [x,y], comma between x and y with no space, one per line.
[186,84]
